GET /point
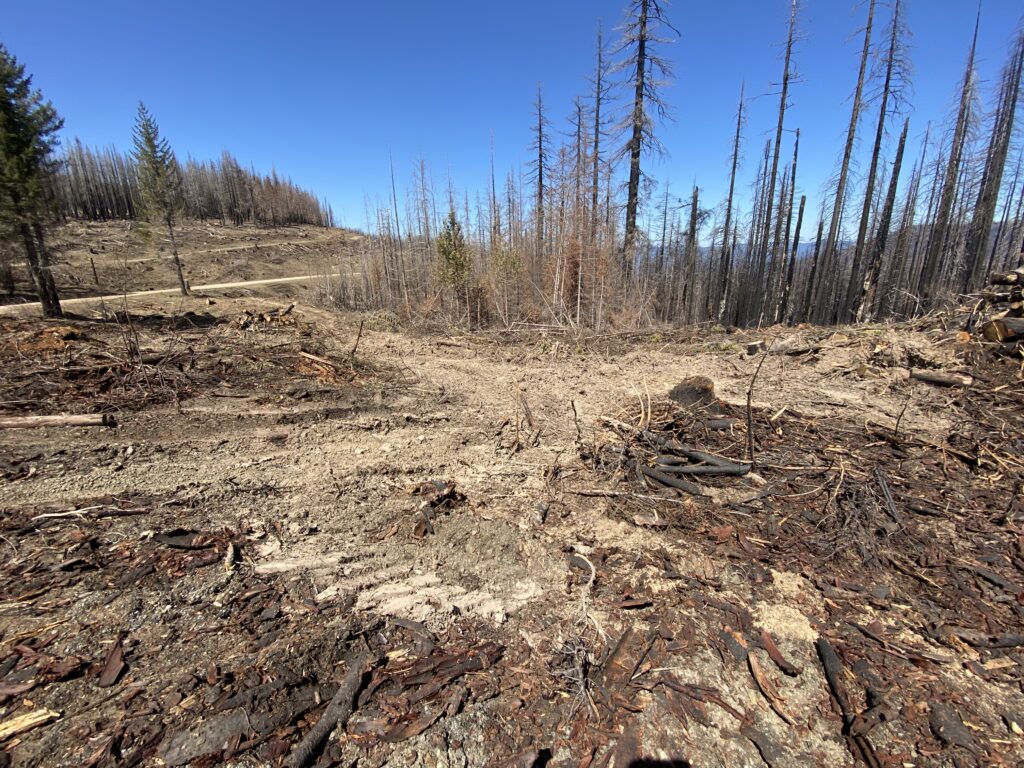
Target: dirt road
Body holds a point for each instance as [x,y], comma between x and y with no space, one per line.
[17,309]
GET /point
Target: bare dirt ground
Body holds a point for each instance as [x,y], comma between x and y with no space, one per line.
[127,261]
[459,517]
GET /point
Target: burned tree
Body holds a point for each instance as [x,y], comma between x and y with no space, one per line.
[763,245]
[867,291]
[647,73]
[930,277]
[727,249]
[980,232]
[831,245]
[600,95]
[894,67]
[539,167]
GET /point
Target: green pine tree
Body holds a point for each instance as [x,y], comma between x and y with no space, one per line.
[159,181]
[28,138]
[453,264]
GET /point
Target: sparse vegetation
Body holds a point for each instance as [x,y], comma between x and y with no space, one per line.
[887,246]
[600,471]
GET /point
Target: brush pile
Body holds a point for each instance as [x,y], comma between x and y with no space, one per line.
[664,451]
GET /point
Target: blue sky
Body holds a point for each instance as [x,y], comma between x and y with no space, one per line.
[327,92]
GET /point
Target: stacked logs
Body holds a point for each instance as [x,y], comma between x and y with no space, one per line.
[1006,326]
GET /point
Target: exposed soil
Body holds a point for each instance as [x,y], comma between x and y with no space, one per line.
[111,257]
[461,515]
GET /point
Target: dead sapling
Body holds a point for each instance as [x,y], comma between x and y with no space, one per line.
[352,354]
[750,404]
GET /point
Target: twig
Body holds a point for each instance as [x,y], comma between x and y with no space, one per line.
[576,421]
[750,404]
[896,429]
[352,354]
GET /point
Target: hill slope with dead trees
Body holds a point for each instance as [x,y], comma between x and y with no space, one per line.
[560,241]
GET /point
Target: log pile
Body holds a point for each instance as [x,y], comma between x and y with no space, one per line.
[1006,325]
[252,321]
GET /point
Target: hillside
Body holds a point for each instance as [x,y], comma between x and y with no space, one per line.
[106,258]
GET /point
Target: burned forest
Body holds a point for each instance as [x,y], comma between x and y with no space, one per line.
[567,456]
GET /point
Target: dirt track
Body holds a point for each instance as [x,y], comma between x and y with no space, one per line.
[324,483]
[22,310]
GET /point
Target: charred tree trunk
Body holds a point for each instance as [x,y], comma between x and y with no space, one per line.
[869,191]
[726,250]
[807,308]
[832,241]
[787,286]
[637,137]
[980,231]
[763,247]
[39,268]
[867,293]
[930,272]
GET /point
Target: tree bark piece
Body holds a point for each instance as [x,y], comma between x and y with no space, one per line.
[942,379]
[73,420]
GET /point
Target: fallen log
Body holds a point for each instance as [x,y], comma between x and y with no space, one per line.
[63,420]
[1003,297]
[942,379]
[1003,329]
[1015,277]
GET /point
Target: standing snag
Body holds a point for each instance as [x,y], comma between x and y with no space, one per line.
[648,72]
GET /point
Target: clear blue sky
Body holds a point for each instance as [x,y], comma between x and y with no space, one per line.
[325,92]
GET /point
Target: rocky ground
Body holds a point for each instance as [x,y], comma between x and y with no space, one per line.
[464,520]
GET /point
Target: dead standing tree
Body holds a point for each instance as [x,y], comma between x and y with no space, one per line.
[895,68]
[867,291]
[600,94]
[830,255]
[539,167]
[980,232]
[647,72]
[929,280]
[728,249]
[763,245]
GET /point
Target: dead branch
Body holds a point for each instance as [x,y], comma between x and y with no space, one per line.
[750,404]
[338,711]
[69,420]
[942,379]
[352,354]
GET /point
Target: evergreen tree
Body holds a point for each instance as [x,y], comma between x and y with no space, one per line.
[453,254]
[28,137]
[159,181]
